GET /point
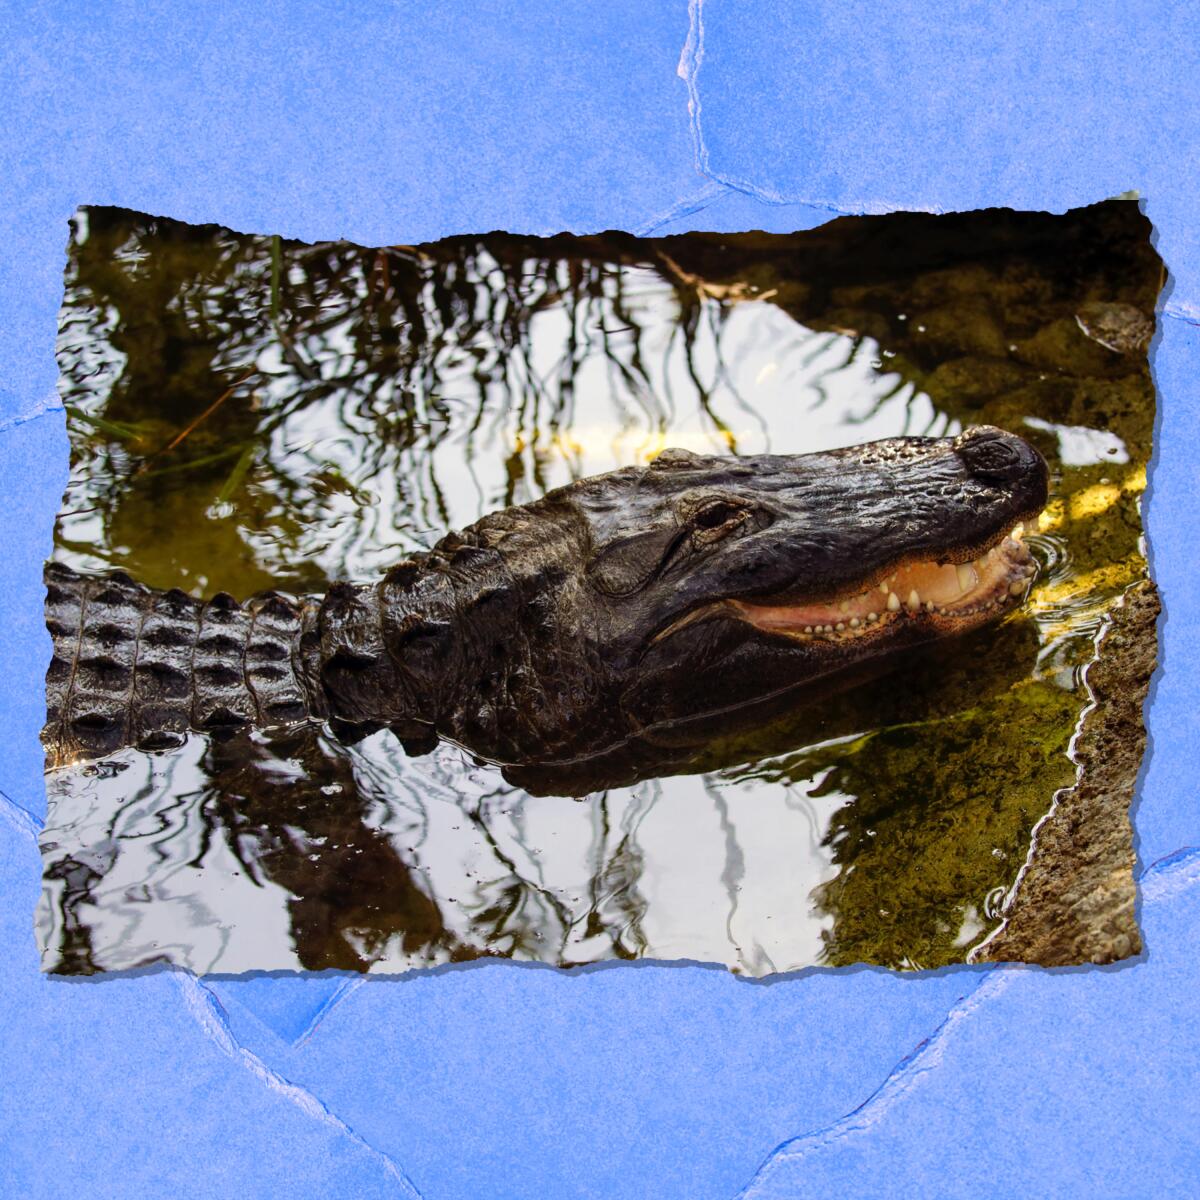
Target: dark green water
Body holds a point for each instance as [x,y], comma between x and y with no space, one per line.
[246,413]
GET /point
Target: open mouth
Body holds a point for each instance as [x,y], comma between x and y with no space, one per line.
[944,595]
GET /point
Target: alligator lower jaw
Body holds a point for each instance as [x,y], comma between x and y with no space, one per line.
[946,596]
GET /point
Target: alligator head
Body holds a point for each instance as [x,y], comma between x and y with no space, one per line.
[653,604]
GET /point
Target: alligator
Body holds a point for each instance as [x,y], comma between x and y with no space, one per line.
[620,618]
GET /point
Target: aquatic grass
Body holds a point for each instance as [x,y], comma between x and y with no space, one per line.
[125,433]
[235,477]
[192,463]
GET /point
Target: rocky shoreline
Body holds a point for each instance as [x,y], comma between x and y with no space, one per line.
[1075,902]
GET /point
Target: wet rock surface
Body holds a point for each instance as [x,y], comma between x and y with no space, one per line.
[1075,902]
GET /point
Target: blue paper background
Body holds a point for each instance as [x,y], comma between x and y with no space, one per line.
[410,121]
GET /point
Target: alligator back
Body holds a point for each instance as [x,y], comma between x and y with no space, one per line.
[134,665]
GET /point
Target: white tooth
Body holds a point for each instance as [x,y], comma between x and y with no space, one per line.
[827,628]
[808,629]
[872,616]
[844,607]
[1016,587]
[966,577]
[929,606]
[893,602]
[1018,532]
[854,622]
[914,600]
[841,625]
[883,587]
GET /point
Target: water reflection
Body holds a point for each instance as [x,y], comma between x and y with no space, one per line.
[247,413]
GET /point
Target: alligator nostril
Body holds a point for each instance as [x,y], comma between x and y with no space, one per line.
[675,456]
[993,454]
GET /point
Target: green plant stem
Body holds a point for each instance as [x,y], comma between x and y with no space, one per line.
[110,427]
[194,462]
[236,475]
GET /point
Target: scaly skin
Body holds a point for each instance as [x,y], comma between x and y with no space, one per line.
[615,620]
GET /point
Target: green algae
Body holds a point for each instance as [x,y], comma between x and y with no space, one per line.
[930,838]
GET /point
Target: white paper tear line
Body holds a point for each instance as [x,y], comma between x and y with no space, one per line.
[1163,880]
[205,1009]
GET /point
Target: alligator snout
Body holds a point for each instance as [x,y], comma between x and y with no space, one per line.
[993,455]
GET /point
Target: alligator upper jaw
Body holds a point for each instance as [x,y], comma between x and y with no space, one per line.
[947,597]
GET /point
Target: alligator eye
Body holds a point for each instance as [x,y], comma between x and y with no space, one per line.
[716,514]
